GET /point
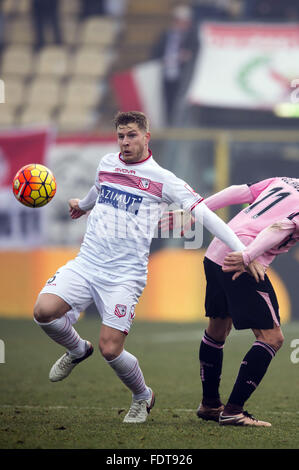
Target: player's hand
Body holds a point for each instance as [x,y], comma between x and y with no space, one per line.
[176,220]
[234,262]
[74,209]
[257,270]
[167,221]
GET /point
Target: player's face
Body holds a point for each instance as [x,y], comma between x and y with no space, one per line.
[133,142]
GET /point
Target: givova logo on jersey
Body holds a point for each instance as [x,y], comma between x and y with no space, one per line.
[120,199]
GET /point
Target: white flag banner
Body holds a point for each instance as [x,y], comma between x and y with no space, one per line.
[245,65]
[140,88]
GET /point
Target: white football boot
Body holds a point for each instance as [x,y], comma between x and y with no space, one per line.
[65,364]
[140,409]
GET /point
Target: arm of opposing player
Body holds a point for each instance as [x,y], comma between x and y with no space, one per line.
[265,240]
[79,207]
[217,227]
[236,194]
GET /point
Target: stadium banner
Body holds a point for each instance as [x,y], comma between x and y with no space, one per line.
[140,88]
[245,65]
[20,226]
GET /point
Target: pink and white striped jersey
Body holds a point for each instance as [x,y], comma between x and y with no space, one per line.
[271,200]
[122,223]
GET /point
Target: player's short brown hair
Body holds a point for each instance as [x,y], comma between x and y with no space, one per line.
[125,117]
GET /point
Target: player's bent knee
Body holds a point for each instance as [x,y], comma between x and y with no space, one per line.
[49,307]
[274,338]
[41,314]
[109,350]
[279,341]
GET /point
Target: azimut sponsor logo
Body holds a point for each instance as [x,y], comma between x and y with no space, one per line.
[120,199]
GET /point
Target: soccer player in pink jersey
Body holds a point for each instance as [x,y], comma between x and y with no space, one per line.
[268,227]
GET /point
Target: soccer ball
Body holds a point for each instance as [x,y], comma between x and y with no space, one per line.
[34,185]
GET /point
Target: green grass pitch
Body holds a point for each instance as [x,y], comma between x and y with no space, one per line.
[86,410]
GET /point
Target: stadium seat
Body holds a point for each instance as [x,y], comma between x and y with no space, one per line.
[19,30]
[143,33]
[98,31]
[14,91]
[74,119]
[82,92]
[70,29]
[17,60]
[44,92]
[91,62]
[52,60]
[35,115]
[146,7]
[69,7]
[7,115]
[12,7]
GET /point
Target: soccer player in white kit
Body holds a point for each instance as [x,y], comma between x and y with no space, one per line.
[129,195]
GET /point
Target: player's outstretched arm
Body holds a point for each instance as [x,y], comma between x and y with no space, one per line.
[236,194]
[217,227]
[79,207]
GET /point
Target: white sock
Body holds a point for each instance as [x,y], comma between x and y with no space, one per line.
[63,333]
[127,369]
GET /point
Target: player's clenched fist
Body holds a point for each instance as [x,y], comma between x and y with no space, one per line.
[74,209]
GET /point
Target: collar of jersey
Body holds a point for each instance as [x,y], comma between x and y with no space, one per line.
[136,163]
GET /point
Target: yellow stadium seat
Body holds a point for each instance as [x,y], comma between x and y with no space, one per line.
[91,62]
[52,60]
[82,92]
[44,92]
[17,60]
[69,7]
[149,7]
[35,115]
[7,115]
[14,91]
[98,31]
[74,119]
[19,30]
[70,29]
[13,6]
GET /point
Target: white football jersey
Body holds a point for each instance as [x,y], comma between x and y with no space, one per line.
[122,223]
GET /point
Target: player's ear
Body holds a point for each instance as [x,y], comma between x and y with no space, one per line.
[147,137]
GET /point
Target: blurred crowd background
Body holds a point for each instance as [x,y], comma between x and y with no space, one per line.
[218,80]
[59,57]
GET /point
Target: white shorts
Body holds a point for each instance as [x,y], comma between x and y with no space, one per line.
[115,303]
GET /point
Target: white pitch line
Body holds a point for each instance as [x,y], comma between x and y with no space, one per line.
[60,407]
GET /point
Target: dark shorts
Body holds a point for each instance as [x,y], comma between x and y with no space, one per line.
[250,304]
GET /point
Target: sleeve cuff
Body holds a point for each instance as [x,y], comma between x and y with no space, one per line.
[246,258]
